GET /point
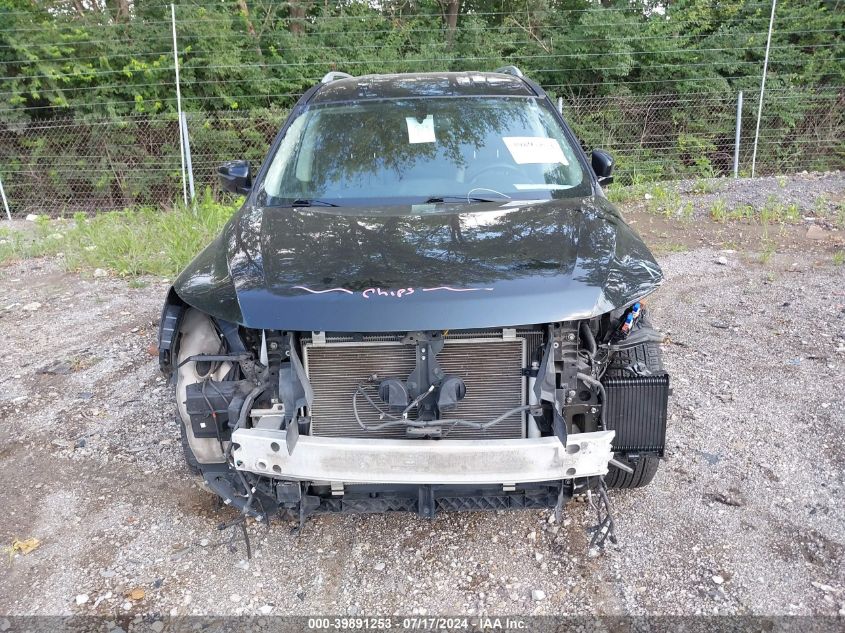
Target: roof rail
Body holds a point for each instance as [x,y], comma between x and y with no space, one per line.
[333,75]
[509,70]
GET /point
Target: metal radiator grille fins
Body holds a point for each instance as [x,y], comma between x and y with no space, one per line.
[491,369]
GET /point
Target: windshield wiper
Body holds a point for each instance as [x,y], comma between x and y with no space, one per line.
[312,203]
[466,199]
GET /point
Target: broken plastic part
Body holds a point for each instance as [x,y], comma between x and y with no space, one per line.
[604,529]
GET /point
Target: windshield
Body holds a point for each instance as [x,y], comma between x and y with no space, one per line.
[423,150]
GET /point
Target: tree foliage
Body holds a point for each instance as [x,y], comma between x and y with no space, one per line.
[106,56]
[88,99]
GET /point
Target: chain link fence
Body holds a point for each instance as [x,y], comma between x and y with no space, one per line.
[64,166]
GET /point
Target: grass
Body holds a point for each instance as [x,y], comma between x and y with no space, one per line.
[719,211]
[671,247]
[772,212]
[132,242]
[45,238]
[768,251]
[839,258]
[707,185]
[775,212]
[830,209]
[620,194]
[658,199]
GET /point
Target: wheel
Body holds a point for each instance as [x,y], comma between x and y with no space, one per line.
[644,470]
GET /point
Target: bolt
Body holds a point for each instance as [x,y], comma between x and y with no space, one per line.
[569,401]
[593,410]
[274,345]
[570,337]
[557,344]
[571,393]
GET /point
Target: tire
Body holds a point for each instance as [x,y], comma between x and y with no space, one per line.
[190,459]
[644,471]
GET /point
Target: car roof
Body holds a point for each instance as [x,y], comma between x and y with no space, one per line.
[415,85]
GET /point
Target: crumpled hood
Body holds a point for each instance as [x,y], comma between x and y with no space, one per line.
[420,268]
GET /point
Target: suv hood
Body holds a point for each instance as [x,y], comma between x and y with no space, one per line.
[424,267]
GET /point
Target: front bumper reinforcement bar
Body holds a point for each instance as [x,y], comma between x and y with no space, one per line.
[377,461]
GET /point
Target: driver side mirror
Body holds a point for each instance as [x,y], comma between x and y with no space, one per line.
[602,166]
[235,176]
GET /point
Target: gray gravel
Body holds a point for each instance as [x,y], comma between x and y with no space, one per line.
[819,197]
[746,515]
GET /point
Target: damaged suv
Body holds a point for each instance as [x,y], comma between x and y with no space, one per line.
[426,303]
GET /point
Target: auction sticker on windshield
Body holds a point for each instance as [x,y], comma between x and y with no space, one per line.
[420,131]
[534,149]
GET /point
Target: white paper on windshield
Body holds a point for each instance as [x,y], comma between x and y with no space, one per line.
[534,149]
[420,131]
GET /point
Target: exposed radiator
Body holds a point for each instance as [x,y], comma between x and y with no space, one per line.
[491,369]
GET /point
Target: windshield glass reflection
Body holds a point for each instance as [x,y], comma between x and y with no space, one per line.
[379,152]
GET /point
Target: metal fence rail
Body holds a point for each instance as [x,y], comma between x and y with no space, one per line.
[63,166]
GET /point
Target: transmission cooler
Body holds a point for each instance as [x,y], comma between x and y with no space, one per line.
[636,411]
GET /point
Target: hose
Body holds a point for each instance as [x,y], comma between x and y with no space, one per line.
[431,423]
[588,337]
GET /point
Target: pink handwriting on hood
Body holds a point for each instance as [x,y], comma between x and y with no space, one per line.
[398,294]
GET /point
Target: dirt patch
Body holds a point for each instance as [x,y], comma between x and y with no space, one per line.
[802,214]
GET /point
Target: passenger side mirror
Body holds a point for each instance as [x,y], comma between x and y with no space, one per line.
[235,176]
[603,166]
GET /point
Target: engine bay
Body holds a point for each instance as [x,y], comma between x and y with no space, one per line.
[314,422]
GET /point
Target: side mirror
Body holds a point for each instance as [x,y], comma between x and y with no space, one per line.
[235,176]
[603,166]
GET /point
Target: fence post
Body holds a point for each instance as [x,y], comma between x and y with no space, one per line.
[188,165]
[762,89]
[5,202]
[179,104]
[737,138]
[560,105]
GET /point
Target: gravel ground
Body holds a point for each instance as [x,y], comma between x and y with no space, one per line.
[818,196]
[745,516]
